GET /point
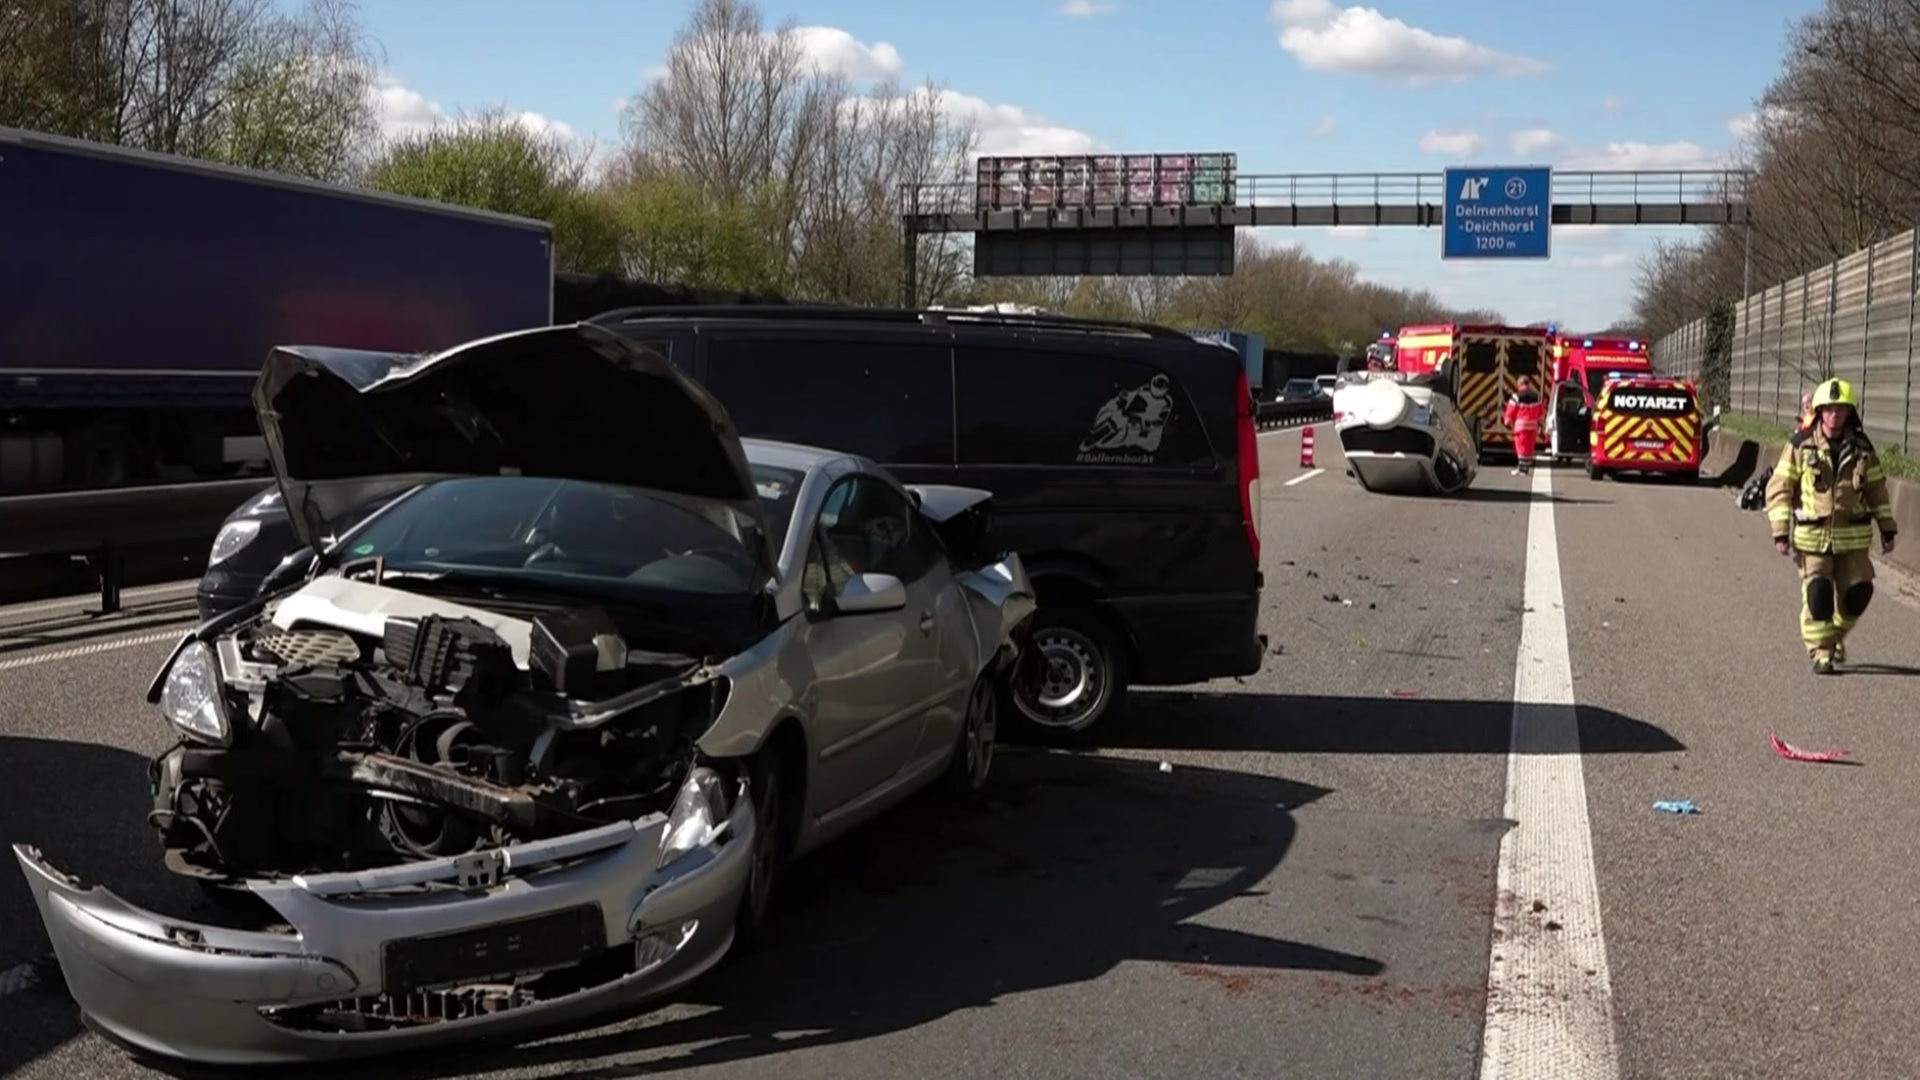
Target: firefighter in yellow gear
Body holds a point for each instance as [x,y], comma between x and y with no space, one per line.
[1825,496]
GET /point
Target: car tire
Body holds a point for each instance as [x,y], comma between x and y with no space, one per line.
[1085,673]
[768,777]
[972,764]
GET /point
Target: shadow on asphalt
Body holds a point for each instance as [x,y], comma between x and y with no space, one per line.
[1515,495]
[1877,669]
[1306,724]
[84,806]
[77,628]
[1070,867]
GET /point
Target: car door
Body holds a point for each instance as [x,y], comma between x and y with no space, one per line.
[873,672]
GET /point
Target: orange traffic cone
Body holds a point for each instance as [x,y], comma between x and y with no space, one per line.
[1306,447]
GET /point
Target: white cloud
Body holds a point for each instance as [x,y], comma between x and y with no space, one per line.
[1610,103]
[1612,260]
[832,49]
[405,111]
[1364,41]
[1452,143]
[1534,140]
[1010,129]
[1747,125]
[1667,157]
[1087,7]
[1323,128]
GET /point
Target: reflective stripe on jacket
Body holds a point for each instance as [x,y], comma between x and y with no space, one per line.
[1524,415]
[1827,496]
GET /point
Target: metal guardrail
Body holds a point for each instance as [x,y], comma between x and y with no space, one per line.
[103,523]
[1625,187]
[1271,414]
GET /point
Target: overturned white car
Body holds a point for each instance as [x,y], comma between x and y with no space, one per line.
[1402,434]
[536,737]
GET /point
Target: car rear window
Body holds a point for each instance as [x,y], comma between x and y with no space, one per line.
[1036,407]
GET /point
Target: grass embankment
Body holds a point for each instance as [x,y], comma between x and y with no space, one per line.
[1772,432]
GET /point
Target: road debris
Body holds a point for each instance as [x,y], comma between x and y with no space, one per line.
[1793,753]
[1676,806]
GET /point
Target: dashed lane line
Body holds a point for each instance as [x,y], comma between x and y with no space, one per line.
[77,651]
[1303,477]
[1549,995]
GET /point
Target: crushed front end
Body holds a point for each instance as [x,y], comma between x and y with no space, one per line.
[422,823]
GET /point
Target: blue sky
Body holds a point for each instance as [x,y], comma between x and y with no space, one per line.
[1291,86]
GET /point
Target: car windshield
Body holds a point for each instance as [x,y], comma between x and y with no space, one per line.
[778,488]
[1298,386]
[563,534]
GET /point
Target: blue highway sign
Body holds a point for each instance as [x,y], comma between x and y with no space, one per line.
[1498,212]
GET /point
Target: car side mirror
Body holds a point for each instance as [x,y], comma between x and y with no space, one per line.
[867,594]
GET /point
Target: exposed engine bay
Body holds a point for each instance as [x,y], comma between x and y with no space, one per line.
[349,749]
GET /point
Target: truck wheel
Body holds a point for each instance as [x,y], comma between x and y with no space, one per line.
[1084,677]
[1595,472]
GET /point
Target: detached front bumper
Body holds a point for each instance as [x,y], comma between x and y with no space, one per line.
[366,971]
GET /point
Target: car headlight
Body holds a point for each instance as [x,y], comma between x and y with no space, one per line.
[699,814]
[232,536]
[190,696]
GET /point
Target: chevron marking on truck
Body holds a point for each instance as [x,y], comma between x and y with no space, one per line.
[1621,437]
[1480,396]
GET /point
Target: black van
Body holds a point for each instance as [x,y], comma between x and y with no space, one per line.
[1122,457]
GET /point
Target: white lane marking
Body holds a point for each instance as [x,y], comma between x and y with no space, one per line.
[1303,477]
[1549,996]
[90,649]
[127,596]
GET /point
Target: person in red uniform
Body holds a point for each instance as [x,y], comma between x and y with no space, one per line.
[1524,412]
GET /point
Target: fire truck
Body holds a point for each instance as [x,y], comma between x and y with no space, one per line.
[1485,362]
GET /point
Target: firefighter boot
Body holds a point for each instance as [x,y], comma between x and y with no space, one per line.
[1817,630]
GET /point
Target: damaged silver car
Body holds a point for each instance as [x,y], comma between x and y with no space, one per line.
[535,738]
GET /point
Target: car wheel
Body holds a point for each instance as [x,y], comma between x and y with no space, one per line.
[767,787]
[1083,673]
[979,730]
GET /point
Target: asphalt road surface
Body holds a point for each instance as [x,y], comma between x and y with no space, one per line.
[1316,887]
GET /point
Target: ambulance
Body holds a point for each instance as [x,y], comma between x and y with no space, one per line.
[1589,361]
[1646,423]
[1484,363]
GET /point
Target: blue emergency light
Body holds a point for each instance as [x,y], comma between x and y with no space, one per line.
[1587,344]
[1632,345]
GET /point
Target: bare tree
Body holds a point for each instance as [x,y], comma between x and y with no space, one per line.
[232,80]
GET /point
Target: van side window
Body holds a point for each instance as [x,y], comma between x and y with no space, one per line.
[891,401]
[1027,407]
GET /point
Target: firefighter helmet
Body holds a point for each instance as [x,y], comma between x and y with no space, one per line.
[1835,392]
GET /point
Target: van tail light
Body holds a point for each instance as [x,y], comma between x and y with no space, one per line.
[1247,457]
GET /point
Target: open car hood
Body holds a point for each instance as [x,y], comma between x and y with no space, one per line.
[577,402]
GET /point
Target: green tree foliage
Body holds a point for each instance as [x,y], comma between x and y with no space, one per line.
[493,161]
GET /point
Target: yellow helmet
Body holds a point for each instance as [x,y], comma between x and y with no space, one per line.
[1835,392]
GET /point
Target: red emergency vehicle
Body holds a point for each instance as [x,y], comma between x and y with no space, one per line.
[1589,360]
[1485,362]
[1646,423]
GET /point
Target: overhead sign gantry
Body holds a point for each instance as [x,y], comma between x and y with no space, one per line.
[1176,214]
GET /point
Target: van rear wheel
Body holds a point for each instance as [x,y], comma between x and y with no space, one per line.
[1083,673]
